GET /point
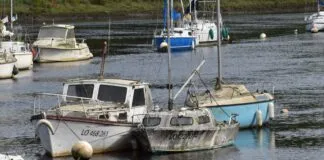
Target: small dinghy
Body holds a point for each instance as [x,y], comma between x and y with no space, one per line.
[185,130]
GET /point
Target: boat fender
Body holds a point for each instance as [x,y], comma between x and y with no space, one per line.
[15,70]
[259,118]
[271,110]
[164,44]
[45,122]
[211,34]
[82,150]
[193,45]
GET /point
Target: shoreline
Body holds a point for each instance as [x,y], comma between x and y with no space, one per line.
[46,11]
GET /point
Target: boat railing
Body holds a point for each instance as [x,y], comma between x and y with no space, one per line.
[55,102]
[264,87]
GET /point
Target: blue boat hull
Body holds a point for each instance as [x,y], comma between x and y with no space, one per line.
[246,113]
[177,43]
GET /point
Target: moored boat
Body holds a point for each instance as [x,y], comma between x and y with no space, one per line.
[188,129]
[102,112]
[180,38]
[7,65]
[201,21]
[9,44]
[21,52]
[184,129]
[57,43]
[315,22]
[254,109]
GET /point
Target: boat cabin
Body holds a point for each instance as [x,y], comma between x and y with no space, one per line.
[185,118]
[13,47]
[114,100]
[56,35]
[56,31]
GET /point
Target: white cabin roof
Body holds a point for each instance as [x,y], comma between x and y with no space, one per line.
[124,82]
[59,26]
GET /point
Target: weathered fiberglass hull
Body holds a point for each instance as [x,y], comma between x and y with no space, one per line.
[58,135]
[247,112]
[171,140]
[62,55]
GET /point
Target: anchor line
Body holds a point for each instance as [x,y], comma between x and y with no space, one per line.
[56,128]
[71,130]
[109,136]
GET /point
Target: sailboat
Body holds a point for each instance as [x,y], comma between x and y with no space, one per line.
[315,22]
[204,28]
[254,109]
[19,49]
[180,38]
[186,128]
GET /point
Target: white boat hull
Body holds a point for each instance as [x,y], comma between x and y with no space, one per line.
[102,137]
[206,32]
[6,70]
[24,60]
[315,22]
[62,55]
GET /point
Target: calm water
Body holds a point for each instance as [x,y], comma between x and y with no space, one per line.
[292,64]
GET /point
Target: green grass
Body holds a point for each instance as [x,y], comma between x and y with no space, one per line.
[126,7]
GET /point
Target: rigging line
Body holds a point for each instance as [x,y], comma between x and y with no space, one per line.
[211,95]
[109,136]
[71,130]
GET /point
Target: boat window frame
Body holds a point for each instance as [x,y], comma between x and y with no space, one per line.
[124,98]
[155,124]
[143,96]
[178,124]
[80,84]
[203,120]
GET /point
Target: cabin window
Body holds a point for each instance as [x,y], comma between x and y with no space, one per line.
[189,33]
[203,119]
[138,98]
[181,121]
[53,32]
[70,33]
[151,121]
[112,93]
[80,90]
[22,49]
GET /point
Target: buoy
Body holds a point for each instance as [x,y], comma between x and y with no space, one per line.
[314,30]
[82,150]
[296,31]
[271,110]
[259,118]
[163,45]
[284,110]
[263,36]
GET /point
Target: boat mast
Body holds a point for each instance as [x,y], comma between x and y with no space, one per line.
[106,47]
[318,6]
[170,101]
[219,77]
[11,22]
[171,18]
